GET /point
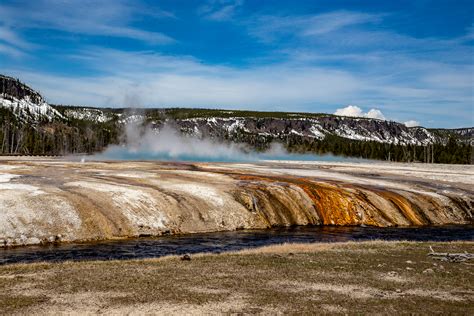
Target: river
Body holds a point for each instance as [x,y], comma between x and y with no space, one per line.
[226,241]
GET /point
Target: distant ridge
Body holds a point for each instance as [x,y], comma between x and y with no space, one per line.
[29,125]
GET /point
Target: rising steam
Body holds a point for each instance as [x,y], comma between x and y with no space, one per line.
[168,143]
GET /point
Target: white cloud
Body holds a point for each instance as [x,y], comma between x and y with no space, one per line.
[314,62]
[166,80]
[10,51]
[412,123]
[10,37]
[163,80]
[376,114]
[89,17]
[333,21]
[12,44]
[269,28]
[220,10]
[350,110]
[355,111]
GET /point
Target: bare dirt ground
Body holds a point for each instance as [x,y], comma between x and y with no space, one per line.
[341,278]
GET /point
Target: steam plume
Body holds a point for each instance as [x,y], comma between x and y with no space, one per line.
[168,143]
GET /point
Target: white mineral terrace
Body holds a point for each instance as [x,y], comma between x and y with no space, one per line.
[56,200]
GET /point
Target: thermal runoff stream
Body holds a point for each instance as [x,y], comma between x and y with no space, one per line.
[227,241]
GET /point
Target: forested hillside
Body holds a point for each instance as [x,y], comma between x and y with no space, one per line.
[30,126]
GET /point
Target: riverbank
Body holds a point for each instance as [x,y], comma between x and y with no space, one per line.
[375,277]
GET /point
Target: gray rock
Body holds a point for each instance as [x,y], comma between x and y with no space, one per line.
[186,257]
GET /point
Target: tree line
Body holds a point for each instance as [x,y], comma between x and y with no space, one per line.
[52,138]
[451,153]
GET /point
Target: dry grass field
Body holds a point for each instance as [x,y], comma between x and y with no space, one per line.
[338,278]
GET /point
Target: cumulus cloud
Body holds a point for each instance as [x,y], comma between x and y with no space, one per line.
[355,111]
[412,123]
[350,110]
[376,114]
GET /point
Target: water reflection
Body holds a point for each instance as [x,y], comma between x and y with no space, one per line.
[227,241]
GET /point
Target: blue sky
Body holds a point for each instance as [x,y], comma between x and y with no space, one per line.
[404,60]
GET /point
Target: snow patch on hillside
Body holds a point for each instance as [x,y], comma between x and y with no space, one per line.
[94,115]
[316,130]
[26,110]
[132,119]
[345,127]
